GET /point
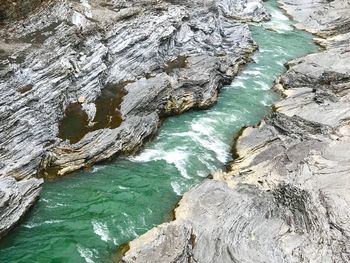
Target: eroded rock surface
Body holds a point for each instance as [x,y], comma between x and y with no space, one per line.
[286,198]
[321,17]
[81,52]
[162,57]
[16,198]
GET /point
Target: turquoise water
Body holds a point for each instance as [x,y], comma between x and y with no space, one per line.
[84,217]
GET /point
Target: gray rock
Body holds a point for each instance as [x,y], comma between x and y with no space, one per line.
[286,198]
[319,81]
[16,198]
[321,17]
[80,52]
[66,60]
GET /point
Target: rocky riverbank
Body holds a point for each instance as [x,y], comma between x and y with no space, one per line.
[286,196]
[84,81]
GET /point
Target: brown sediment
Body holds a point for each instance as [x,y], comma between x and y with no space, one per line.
[39,36]
[49,173]
[75,123]
[52,172]
[102,50]
[193,239]
[173,211]
[25,88]
[179,62]
[234,152]
[120,252]
[274,108]
[108,106]
[17,9]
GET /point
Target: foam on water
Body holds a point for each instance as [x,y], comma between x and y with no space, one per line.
[238,83]
[97,168]
[48,222]
[54,205]
[123,187]
[176,188]
[279,21]
[218,147]
[101,230]
[127,231]
[253,72]
[85,253]
[177,157]
[262,85]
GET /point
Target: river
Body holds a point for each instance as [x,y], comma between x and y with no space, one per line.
[85,216]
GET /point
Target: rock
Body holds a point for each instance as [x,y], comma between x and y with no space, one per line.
[324,18]
[16,198]
[129,63]
[81,99]
[168,237]
[250,10]
[135,49]
[286,198]
[321,81]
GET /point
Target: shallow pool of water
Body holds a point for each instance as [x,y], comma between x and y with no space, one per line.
[84,217]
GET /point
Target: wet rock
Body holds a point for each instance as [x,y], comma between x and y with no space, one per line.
[286,198]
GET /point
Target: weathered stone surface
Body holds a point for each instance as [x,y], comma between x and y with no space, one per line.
[77,56]
[321,17]
[317,87]
[166,243]
[58,65]
[286,198]
[16,198]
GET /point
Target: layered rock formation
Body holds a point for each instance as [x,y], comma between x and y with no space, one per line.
[286,198]
[82,81]
[321,17]
[15,199]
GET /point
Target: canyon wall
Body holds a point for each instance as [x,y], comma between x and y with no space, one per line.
[84,81]
[286,198]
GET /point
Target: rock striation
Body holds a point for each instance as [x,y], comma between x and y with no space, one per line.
[321,17]
[82,81]
[16,198]
[286,198]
